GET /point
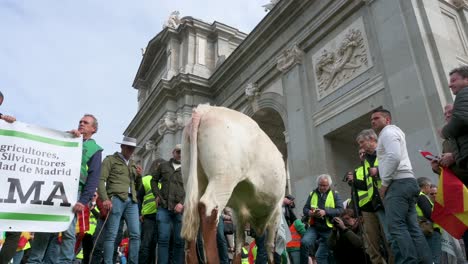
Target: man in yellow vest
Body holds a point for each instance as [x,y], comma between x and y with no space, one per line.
[245,254]
[148,209]
[367,184]
[321,206]
[424,208]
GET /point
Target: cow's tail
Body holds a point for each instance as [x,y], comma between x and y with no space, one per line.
[191,218]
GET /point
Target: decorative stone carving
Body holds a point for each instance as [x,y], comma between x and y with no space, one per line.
[167,124]
[289,58]
[172,122]
[173,21]
[342,59]
[180,121]
[460,3]
[150,145]
[252,91]
[271,5]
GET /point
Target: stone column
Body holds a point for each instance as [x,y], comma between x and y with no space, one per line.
[289,63]
[410,93]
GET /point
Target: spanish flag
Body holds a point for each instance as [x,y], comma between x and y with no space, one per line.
[451,204]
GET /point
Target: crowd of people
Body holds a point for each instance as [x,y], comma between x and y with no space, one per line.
[137,218]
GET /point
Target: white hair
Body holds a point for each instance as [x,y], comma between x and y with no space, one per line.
[324,176]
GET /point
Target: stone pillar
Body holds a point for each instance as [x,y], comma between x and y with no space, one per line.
[289,63]
[410,94]
[173,50]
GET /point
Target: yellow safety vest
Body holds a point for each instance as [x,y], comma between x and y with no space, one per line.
[366,196]
[245,256]
[92,222]
[329,203]
[149,205]
[420,213]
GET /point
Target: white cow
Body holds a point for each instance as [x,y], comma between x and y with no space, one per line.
[227,160]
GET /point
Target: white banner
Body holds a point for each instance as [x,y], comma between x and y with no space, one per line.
[39,176]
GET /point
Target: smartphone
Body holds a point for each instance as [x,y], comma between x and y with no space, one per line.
[432,158]
[429,156]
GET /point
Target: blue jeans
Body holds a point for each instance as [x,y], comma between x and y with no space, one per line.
[262,255]
[294,256]
[168,221]
[98,254]
[222,243]
[45,247]
[434,241]
[383,222]
[18,257]
[308,243]
[400,212]
[129,210]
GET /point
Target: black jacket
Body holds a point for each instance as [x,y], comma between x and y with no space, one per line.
[172,187]
[457,128]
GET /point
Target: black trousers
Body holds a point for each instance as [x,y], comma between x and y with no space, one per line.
[149,239]
[9,247]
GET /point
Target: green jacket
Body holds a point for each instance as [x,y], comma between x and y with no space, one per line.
[172,187]
[116,177]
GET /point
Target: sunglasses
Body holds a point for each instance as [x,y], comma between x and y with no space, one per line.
[177,151]
[433,194]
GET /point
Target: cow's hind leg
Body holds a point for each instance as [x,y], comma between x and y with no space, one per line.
[272,227]
[240,239]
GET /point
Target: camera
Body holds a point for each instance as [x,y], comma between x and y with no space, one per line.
[334,221]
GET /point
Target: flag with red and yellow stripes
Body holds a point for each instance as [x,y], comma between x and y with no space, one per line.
[451,204]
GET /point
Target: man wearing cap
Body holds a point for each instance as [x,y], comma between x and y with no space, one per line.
[169,216]
[117,191]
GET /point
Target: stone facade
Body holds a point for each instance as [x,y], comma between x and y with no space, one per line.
[310,73]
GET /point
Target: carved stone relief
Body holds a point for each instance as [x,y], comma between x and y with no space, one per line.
[252,91]
[342,59]
[167,124]
[288,58]
[150,145]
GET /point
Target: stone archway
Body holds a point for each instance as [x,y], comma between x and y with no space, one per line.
[271,122]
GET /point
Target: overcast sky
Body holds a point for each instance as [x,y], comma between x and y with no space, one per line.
[61,59]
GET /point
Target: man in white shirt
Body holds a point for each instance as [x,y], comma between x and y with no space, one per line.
[399,191]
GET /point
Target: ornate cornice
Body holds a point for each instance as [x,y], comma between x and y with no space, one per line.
[289,58]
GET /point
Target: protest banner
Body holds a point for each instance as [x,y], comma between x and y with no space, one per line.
[39,176]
